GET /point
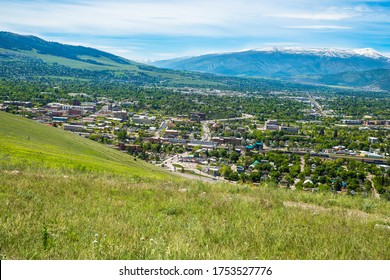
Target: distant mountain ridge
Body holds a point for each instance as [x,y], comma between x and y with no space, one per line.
[30,57]
[15,42]
[372,79]
[282,62]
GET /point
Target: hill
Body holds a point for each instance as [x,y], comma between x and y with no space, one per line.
[25,143]
[14,46]
[65,197]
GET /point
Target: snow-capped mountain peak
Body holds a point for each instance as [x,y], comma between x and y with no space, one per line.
[326,52]
[369,53]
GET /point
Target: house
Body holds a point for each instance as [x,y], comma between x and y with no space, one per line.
[253,165]
[257,145]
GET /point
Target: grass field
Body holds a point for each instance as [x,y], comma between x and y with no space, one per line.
[25,144]
[64,197]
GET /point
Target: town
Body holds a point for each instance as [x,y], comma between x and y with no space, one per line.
[311,148]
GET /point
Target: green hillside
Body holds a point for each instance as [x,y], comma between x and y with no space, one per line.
[64,197]
[26,143]
[52,52]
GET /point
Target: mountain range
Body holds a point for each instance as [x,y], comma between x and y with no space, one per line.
[29,56]
[299,64]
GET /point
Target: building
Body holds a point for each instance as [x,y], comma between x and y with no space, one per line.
[289,129]
[60,119]
[232,140]
[170,133]
[375,122]
[142,119]
[27,104]
[272,122]
[122,115]
[257,145]
[271,127]
[352,122]
[203,144]
[73,128]
[196,116]
[373,140]
[75,112]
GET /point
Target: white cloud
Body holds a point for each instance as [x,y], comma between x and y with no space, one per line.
[316,16]
[318,27]
[174,17]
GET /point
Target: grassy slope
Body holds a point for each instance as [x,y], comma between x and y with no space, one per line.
[64,213]
[24,142]
[109,64]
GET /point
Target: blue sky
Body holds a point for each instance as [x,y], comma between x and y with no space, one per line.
[156,29]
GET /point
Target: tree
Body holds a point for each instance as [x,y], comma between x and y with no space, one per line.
[234,176]
[225,171]
[122,134]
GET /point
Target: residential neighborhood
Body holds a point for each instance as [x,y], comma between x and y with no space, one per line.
[245,147]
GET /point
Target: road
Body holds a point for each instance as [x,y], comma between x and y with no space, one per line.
[161,128]
[317,105]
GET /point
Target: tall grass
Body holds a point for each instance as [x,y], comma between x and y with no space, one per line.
[47,215]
